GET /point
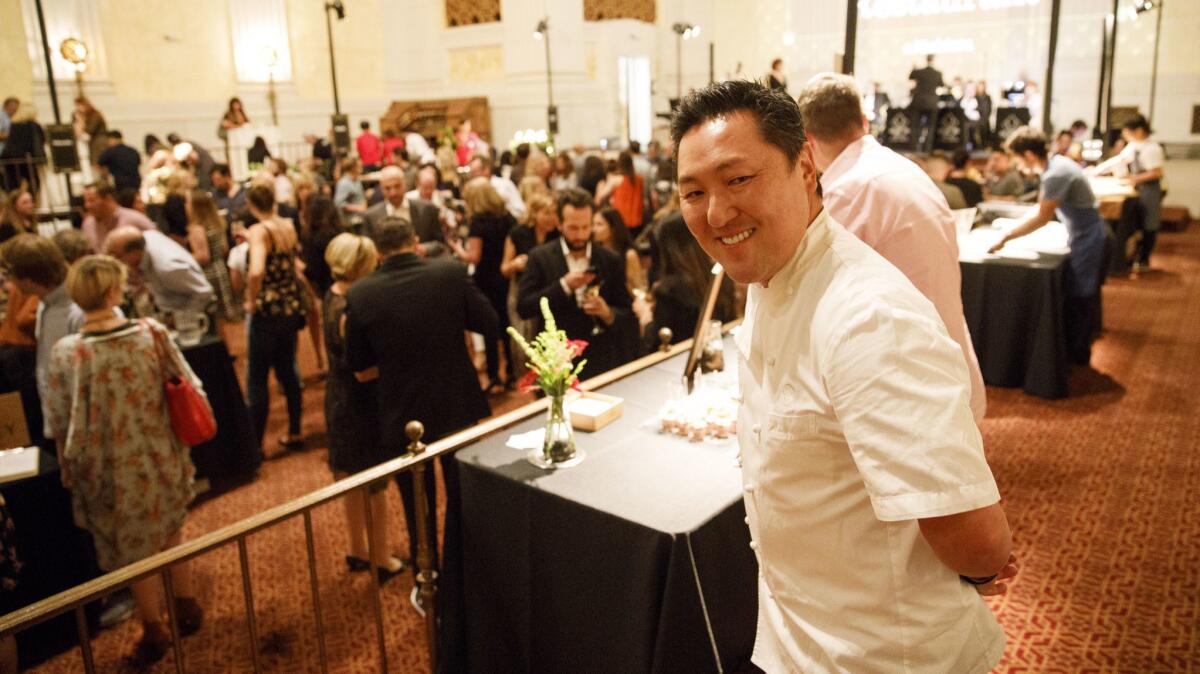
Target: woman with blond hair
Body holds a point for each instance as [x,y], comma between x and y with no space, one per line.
[530,186]
[130,477]
[351,410]
[541,226]
[488,224]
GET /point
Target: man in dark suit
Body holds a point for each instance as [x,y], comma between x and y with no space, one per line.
[926,82]
[567,273]
[424,216]
[405,325]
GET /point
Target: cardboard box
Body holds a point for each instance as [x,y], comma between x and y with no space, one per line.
[591,411]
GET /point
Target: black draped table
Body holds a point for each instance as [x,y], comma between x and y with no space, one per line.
[233,455]
[637,560]
[56,555]
[1014,310]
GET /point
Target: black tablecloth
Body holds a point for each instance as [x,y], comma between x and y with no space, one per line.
[1014,310]
[233,455]
[600,567]
[55,556]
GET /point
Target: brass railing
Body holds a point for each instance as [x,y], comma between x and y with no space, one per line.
[416,459]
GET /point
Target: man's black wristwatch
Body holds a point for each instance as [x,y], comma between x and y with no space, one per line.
[979,581]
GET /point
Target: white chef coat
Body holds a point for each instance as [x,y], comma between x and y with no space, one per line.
[855,422]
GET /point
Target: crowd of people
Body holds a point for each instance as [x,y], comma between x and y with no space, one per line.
[389,256]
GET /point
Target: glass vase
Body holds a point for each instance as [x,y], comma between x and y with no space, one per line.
[558,447]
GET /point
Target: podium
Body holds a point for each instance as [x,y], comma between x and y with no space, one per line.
[241,139]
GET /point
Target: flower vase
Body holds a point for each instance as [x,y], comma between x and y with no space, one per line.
[558,447]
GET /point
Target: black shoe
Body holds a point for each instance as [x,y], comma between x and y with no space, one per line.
[384,574]
[357,564]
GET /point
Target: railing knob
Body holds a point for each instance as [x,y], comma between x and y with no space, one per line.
[664,339]
[414,430]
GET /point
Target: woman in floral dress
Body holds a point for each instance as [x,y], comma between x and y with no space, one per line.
[130,477]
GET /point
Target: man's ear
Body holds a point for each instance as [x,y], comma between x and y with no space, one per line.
[808,164]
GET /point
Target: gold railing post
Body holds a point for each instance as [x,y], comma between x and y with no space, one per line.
[376,581]
[172,619]
[665,335]
[248,595]
[85,641]
[316,594]
[426,576]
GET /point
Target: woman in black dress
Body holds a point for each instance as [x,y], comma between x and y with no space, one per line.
[351,409]
[488,224]
[678,295]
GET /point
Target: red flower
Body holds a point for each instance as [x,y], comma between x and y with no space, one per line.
[577,346]
[528,383]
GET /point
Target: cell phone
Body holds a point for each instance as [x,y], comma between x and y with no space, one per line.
[592,270]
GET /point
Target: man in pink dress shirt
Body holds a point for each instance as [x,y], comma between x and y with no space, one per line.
[104,214]
[889,203]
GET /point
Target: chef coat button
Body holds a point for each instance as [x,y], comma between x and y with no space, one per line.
[756,428]
[771,361]
[770,595]
[748,487]
[746,519]
[753,545]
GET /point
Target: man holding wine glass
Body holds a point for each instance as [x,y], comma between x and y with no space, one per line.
[575,277]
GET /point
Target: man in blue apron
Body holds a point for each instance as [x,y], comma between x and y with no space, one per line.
[1066,194]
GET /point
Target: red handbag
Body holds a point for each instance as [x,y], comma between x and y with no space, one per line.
[191,416]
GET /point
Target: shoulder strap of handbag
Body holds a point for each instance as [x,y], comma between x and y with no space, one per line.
[165,367]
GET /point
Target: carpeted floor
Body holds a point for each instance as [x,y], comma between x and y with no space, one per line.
[1102,490]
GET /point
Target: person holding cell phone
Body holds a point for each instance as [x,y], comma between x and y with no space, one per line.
[585,286]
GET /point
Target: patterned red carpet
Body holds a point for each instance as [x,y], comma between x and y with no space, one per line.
[1102,490]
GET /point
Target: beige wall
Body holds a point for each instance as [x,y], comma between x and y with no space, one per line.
[358,41]
[195,64]
[16,73]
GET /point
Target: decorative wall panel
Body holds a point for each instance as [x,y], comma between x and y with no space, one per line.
[470,12]
[599,10]
[485,64]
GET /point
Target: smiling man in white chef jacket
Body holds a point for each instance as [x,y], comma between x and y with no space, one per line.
[873,513]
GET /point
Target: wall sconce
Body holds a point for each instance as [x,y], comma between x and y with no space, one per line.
[75,51]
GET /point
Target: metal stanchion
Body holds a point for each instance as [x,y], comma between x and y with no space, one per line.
[426,576]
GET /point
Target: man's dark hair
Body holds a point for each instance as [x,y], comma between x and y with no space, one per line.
[1078,124]
[223,169]
[173,138]
[34,258]
[777,114]
[104,189]
[574,197]
[1137,122]
[11,99]
[523,151]
[961,157]
[115,135]
[1027,139]
[126,197]
[364,125]
[393,234]
[262,198]
[635,147]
